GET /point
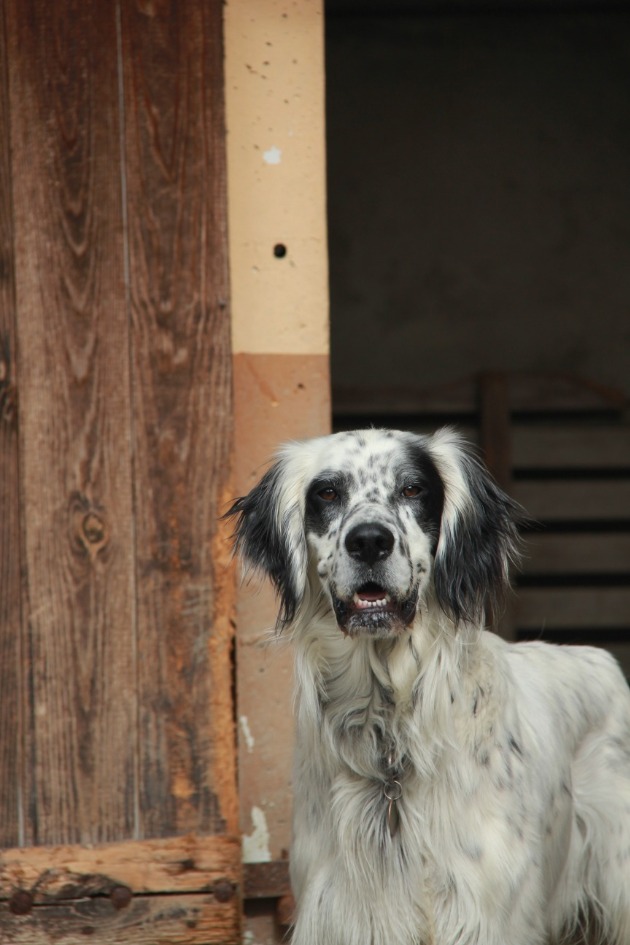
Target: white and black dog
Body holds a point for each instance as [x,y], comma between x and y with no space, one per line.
[450,788]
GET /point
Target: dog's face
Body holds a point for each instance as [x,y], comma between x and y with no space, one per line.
[379,523]
[372,522]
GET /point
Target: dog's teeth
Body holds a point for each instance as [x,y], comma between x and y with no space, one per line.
[370,604]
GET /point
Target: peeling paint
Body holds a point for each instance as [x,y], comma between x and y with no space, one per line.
[256,844]
[272,155]
[247,733]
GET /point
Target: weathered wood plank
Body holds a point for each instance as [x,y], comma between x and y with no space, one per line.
[575,445]
[79,650]
[177,865]
[576,607]
[147,920]
[574,500]
[577,554]
[175,172]
[10,543]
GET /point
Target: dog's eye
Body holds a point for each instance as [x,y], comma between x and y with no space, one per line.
[328,494]
[411,491]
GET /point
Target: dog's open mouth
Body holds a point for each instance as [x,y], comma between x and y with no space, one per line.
[374,609]
[371,596]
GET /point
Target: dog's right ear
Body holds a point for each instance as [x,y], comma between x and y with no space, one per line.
[270,537]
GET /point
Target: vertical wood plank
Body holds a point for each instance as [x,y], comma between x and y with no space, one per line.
[10,545]
[74,431]
[496,439]
[174,131]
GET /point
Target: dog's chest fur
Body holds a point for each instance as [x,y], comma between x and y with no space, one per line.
[384,715]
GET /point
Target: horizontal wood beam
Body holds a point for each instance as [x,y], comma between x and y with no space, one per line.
[186,864]
[146,892]
[197,919]
[266,880]
[541,392]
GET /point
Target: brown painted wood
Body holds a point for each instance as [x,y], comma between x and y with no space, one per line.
[180,352]
[573,608]
[580,500]
[266,880]
[177,920]
[580,445]
[176,865]
[276,397]
[495,432]
[541,393]
[10,543]
[79,654]
[546,553]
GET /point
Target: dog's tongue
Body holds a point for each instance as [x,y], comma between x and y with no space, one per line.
[371,592]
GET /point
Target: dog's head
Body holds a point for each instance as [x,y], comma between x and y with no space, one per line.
[383,523]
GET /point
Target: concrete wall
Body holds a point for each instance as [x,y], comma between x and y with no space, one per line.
[479,196]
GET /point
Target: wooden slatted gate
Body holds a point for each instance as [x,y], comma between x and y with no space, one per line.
[118,811]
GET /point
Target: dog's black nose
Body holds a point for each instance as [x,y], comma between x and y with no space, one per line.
[369,542]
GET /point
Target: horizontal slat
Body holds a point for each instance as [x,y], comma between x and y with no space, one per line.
[532,393]
[571,446]
[583,607]
[576,554]
[266,880]
[621,652]
[562,500]
[178,864]
[146,920]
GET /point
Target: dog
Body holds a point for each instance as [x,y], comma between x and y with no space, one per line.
[450,788]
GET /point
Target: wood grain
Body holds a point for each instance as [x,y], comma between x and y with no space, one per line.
[175,173]
[79,656]
[10,542]
[147,920]
[177,865]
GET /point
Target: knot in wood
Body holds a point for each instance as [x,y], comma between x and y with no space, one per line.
[21,902]
[8,403]
[120,897]
[93,528]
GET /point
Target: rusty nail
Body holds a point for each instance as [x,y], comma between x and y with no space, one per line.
[21,902]
[223,890]
[120,897]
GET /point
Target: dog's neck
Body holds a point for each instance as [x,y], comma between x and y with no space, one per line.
[378,703]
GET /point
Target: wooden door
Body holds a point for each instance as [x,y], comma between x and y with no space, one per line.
[118,811]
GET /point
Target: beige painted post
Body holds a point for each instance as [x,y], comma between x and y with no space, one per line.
[279,297]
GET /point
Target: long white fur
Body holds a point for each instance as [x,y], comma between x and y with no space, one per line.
[514,760]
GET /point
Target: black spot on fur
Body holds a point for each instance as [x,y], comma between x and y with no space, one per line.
[419,469]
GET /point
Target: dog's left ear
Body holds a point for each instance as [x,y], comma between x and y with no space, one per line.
[478,536]
[270,537]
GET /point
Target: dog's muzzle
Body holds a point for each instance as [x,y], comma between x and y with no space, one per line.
[373,607]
